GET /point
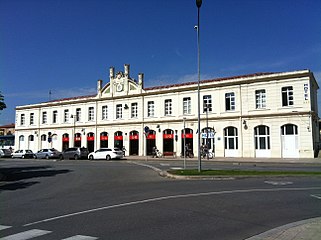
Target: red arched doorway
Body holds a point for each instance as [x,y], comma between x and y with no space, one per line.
[133,143]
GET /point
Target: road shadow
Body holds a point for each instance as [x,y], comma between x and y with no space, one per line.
[15,178]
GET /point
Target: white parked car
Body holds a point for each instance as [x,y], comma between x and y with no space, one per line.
[23,154]
[106,153]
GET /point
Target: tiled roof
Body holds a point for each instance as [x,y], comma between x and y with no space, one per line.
[72,98]
[12,125]
[209,81]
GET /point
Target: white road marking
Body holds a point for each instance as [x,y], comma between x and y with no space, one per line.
[316,196]
[278,183]
[170,197]
[176,168]
[2,227]
[164,164]
[26,235]
[80,237]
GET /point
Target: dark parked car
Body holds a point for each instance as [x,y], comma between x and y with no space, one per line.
[75,153]
[5,153]
[48,153]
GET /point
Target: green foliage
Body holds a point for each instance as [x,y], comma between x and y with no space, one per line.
[2,103]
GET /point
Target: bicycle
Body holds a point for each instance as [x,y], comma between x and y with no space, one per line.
[209,154]
[188,154]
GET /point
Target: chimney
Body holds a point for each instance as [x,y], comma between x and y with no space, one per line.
[126,66]
[140,78]
[99,85]
[111,72]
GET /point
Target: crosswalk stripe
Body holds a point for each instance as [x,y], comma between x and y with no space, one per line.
[26,235]
[80,237]
[2,227]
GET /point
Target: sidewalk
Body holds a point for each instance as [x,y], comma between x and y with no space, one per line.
[234,160]
[309,229]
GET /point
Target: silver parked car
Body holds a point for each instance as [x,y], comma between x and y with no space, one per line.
[47,153]
[23,154]
[106,153]
[75,153]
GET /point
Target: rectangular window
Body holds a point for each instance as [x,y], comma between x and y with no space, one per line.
[230,101]
[207,103]
[22,119]
[44,117]
[168,107]
[260,98]
[32,118]
[54,116]
[66,115]
[104,112]
[119,111]
[187,107]
[134,110]
[287,96]
[150,109]
[91,114]
[78,114]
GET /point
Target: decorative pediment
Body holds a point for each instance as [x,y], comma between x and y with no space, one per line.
[120,84]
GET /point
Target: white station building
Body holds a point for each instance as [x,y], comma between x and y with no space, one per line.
[270,115]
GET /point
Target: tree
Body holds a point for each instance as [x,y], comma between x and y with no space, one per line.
[2,103]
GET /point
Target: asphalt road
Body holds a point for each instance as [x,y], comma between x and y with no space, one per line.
[123,200]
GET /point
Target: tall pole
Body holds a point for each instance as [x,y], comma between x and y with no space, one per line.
[198,4]
[207,130]
[184,132]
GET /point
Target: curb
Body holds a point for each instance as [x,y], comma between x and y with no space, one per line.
[305,229]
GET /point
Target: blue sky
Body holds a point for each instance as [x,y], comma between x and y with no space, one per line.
[66,46]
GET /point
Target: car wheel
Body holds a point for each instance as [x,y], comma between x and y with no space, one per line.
[23,156]
[47,157]
[35,156]
[91,157]
[108,157]
[61,157]
[76,157]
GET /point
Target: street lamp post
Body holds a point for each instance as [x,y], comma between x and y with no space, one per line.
[198,4]
[184,132]
[207,131]
[74,127]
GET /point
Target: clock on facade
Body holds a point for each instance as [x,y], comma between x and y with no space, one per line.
[119,87]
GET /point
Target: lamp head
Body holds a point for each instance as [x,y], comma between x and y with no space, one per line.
[198,3]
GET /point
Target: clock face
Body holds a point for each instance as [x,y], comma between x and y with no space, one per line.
[119,87]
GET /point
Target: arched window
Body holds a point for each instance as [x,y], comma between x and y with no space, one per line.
[230,138]
[262,137]
[289,129]
[43,137]
[31,138]
[21,138]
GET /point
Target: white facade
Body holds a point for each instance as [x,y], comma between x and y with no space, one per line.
[260,115]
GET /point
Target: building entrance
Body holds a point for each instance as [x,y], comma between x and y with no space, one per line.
[65,141]
[150,142]
[91,142]
[133,143]
[77,141]
[188,141]
[168,141]
[104,140]
[118,140]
